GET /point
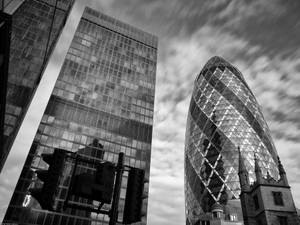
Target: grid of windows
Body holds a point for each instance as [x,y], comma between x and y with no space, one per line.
[223,116]
[30,31]
[105,91]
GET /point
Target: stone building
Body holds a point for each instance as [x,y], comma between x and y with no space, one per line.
[267,201]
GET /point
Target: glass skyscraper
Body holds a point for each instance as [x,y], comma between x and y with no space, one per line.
[36,26]
[104,94]
[223,117]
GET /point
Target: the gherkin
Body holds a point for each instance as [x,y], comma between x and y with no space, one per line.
[223,116]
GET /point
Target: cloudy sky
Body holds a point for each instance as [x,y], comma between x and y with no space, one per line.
[260,38]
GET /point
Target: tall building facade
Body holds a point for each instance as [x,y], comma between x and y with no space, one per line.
[223,117]
[105,94]
[36,26]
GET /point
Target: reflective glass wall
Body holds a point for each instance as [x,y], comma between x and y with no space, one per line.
[223,116]
[104,94]
[36,26]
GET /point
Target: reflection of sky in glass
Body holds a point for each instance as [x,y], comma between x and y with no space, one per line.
[223,116]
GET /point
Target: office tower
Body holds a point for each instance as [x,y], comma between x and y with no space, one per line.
[105,94]
[223,117]
[36,26]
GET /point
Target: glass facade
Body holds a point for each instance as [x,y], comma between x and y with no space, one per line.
[104,94]
[36,26]
[223,116]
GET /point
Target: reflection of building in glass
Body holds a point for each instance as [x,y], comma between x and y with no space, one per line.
[105,90]
[223,116]
[34,22]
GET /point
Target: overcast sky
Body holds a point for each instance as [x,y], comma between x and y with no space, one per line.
[260,38]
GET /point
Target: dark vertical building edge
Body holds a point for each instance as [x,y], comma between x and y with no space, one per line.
[5,35]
